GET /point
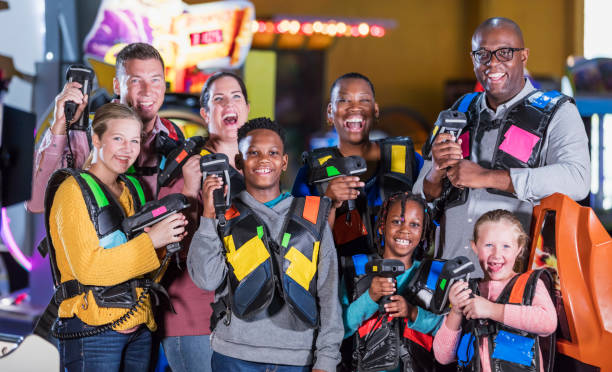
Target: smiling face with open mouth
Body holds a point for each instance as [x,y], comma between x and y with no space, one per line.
[497,249]
[142,86]
[352,110]
[263,161]
[226,110]
[403,235]
[501,80]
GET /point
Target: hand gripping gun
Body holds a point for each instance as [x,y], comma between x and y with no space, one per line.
[338,167]
[386,268]
[218,164]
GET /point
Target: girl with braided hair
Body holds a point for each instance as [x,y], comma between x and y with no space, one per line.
[404,233]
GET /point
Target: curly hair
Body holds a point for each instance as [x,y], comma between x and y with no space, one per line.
[427,235]
[262,123]
[351,75]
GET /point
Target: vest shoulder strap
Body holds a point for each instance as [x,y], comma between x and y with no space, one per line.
[521,289]
[547,101]
[135,189]
[312,211]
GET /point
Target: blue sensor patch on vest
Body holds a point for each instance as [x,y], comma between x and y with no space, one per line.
[359,262]
[113,239]
[434,274]
[513,348]
[465,102]
[465,351]
[542,100]
[162,163]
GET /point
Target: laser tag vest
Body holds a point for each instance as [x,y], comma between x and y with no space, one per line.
[106,214]
[519,140]
[510,349]
[414,348]
[395,173]
[174,133]
[260,265]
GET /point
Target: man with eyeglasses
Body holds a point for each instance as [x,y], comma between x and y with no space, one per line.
[519,146]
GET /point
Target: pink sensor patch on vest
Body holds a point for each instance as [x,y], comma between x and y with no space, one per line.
[465,144]
[519,143]
[158,211]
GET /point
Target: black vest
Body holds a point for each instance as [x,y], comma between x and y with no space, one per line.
[510,349]
[259,265]
[520,137]
[106,214]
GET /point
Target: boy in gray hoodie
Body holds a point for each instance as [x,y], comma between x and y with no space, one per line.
[277,284]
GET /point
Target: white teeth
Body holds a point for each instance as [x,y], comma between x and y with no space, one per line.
[263,170]
[354,120]
[146,104]
[229,115]
[496,75]
[402,241]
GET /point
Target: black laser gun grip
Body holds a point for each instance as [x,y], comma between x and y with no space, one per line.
[218,164]
[386,268]
[153,212]
[84,76]
[171,166]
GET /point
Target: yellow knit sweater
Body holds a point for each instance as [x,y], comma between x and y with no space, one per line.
[79,256]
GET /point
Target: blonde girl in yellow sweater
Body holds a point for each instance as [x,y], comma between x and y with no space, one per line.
[92,263]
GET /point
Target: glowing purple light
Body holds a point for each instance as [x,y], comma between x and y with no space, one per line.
[9,241]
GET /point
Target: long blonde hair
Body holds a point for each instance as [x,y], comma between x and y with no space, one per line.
[103,115]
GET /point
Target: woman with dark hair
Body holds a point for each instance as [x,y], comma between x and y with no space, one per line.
[225,108]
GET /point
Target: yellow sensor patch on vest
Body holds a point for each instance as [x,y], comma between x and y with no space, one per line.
[324,159]
[375,268]
[246,259]
[302,269]
[398,159]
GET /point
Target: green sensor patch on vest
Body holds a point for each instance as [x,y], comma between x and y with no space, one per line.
[260,232]
[286,239]
[442,284]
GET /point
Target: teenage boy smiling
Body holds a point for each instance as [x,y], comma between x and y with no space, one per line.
[275,336]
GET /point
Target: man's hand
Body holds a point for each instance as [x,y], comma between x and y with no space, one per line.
[343,188]
[192,176]
[466,173]
[381,287]
[71,92]
[445,152]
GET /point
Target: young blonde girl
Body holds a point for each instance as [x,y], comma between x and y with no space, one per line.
[499,239]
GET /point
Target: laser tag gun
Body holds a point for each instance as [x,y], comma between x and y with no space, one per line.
[171,165]
[85,76]
[386,268]
[430,285]
[452,122]
[338,167]
[164,145]
[218,164]
[153,212]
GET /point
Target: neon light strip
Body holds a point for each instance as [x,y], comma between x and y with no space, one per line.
[9,241]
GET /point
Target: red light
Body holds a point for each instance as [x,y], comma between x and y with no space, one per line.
[377,31]
[354,31]
[307,29]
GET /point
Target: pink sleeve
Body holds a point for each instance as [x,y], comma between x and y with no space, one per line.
[540,318]
[445,344]
[51,155]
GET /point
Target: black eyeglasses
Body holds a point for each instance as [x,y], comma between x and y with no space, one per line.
[505,54]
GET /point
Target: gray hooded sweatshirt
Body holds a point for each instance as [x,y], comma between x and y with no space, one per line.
[274,336]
